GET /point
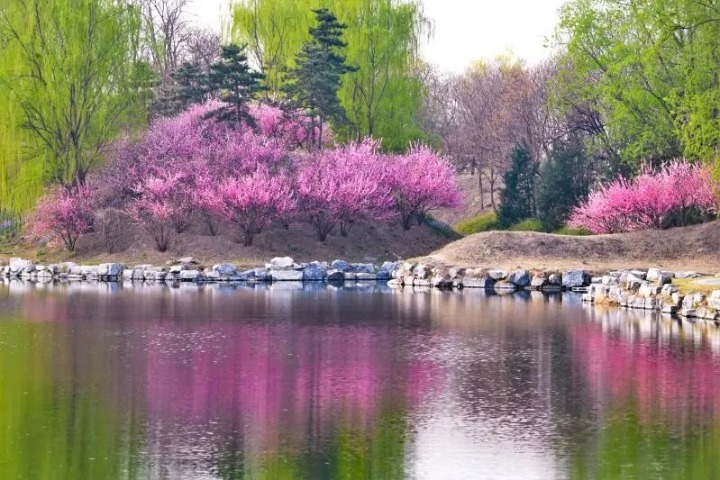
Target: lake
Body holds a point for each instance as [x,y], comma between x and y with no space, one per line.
[103,381]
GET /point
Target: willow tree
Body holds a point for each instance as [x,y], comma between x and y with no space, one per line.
[383,96]
[653,69]
[69,81]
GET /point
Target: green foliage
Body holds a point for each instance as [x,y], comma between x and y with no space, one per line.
[319,67]
[237,84]
[383,97]
[69,84]
[564,181]
[528,225]
[651,69]
[191,87]
[484,222]
[517,199]
[572,232]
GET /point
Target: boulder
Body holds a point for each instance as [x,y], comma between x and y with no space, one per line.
[441,281]
[555,279]
[389,266]
[538,282]
[261,274]
[575,279]
[383,275]
[363,268]
[191,276]
[225,269]
[109,270]
[660,276]
[18,265]
[421,272]
[177,268]
[474,282]
[314,272]
[648,290]
[337,276]
[138,274]
[285,275]
[340,265]
[498,274]
[714,300]
[633,282]
[282,263]
[520,278]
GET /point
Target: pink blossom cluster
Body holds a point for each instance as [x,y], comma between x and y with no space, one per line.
[672,196]
[194,167]
[61,216]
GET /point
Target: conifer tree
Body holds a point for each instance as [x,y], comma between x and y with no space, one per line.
[236,83]
[314,82]
[517,201]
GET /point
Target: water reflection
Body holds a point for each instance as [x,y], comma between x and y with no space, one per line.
[295,382]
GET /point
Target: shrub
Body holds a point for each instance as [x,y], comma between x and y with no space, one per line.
[573,232]
[528,225]
[61,216]
[679,194]
[482,223]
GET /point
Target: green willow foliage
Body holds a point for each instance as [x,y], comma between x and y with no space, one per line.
[69,82]
[653,70]
[383,96]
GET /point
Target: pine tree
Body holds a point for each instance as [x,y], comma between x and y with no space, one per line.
[517,201]
[191,87]
[237,84]
[314,82]
[564,181]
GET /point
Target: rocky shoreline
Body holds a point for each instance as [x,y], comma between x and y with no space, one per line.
[650,289]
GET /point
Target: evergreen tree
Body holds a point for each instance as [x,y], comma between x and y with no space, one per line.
[517,200]
[191,86]
[237,84]
[314,82]
[564,181]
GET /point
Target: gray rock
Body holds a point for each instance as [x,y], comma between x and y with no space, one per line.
[383,275]
[18,265]
[575,279]
[555,279]
[363,268]
[339,276]
[340,265]
[520,278]
[389,266]
[177,268]
[285,275]
[421,272]
[687,275]
[657,275]
[421,282]
[187,261]
[225,269]
[112,270]
[498,274]
[648,290]
[483,282]
[282,263]
[441,281]
[633,282]
[191,276]
[314,273]
[138,274]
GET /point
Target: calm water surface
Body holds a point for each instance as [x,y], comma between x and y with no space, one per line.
[112,382]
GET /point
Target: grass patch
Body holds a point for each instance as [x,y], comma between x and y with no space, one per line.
[484,222]
[528,225]
[573,232]
[691,285]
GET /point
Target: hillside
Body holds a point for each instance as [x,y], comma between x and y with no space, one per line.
[471,206]
[689,248]
[366,242]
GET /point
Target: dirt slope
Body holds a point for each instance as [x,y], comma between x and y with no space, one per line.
[690,248]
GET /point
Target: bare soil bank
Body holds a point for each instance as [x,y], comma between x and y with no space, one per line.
[694,248]
[366,242]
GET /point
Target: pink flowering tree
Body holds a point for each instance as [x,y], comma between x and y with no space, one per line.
[342,186]
[62,216]
[155,210]
[678,194]
[293,128]
[421,181]
[254,201]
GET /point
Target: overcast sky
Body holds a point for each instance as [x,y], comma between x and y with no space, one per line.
[465,30]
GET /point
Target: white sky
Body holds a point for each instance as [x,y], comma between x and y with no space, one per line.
[465,30]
